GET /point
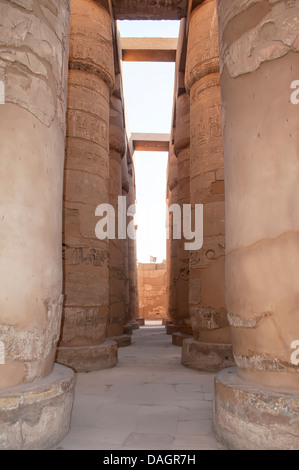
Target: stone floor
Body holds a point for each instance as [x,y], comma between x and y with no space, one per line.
[149,401]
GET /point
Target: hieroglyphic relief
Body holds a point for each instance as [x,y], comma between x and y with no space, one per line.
[81,255]
[204,257]
[87,323]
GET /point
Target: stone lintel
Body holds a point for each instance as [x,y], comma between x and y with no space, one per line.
[151,142]
[145,10]
[149,49]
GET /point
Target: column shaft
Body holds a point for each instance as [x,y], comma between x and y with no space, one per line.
[132,258]
[116,249]
[172,184]
[182,150]
[211,349]
[260,125]
[33,67]
[86,258]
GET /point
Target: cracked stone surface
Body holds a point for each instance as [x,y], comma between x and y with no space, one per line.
[148,401]
[207,305]
[33,67]
[259,57]
[85,257]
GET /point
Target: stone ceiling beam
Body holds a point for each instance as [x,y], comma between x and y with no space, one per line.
[149,9]
[149,49]
[151,142]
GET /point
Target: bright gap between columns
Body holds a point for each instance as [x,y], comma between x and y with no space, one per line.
[148,91]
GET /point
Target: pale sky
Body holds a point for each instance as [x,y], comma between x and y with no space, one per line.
[149,89]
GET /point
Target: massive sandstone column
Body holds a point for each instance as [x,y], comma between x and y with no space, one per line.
[132,259]
[35,396]
[116,249]
[256,405]
[86,258]
[125,246]
[211,349]
[182,151]
[172,188]
[167,320]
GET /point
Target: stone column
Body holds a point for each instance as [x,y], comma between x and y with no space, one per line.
[132,261]
[182,151]
[86,259]
[116,250]
[35,396]
[211,349]
[167,320]
[172,183]
[256,404]
[125,190]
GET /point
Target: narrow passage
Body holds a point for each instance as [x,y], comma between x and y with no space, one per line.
[148,401]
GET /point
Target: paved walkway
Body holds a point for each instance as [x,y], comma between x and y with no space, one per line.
[149,401]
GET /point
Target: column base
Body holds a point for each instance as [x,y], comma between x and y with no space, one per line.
[178,338]
[248,416]
[133,324]
[122,341]
[36,416]
[88,358]
[128,330]
[207,357]
[171,328]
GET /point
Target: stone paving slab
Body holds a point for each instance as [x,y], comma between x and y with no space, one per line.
[149,401]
